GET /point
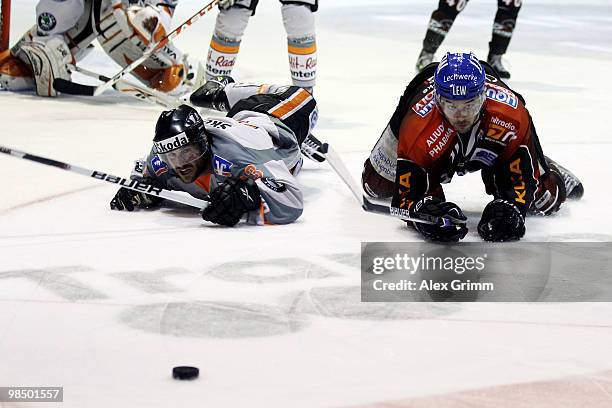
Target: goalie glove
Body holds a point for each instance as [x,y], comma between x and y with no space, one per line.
[501,221]
[230,200]
[433,208]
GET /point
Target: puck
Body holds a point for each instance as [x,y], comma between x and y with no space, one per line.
[185,373]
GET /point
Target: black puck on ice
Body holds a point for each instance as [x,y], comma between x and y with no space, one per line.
[185,373]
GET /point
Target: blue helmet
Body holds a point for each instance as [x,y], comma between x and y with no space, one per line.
[459,76]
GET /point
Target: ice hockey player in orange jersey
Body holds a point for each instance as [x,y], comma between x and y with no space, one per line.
[457,117]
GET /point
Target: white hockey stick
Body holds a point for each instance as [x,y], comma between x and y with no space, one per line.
[338,166]
[153,48]
[120,181]
[124,86]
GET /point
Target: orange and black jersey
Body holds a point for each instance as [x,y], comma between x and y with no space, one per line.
[502,144]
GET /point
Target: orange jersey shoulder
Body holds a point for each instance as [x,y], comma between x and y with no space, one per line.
[424,133]
[506,120]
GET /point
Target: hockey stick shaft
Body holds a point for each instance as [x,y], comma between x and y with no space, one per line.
[154,48]
[124,86]
[340,169]
[99,175]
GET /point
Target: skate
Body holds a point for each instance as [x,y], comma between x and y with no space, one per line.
[425,58]
[495,60]
[573,186]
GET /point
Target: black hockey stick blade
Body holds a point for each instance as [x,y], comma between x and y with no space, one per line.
[72,88]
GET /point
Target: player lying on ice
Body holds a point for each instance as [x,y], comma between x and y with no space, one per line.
[457,117]
[64,34]
[245,163]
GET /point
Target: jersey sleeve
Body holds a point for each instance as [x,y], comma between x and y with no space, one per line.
[281,196]
[515,175]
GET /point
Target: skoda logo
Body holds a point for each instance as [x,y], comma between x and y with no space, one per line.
[46,21]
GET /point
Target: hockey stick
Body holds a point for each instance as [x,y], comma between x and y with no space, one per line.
[154,48]
[338,166]
[98,175]
[124,86]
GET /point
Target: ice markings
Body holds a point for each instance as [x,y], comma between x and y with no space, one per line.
[213,319]
[58,281]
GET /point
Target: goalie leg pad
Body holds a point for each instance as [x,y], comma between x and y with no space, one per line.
[15,75]
[48,57]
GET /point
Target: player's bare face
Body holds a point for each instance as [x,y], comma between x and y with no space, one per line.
[461,114]
[186,162]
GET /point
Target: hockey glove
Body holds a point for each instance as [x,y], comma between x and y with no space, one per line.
[501,221]
[230,200]
[126,199]
[450,221]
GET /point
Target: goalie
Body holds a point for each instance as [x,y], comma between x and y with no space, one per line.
[457,117]
[64,34]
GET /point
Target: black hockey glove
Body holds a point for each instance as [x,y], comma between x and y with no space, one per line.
[501,221]
[126,199]
[230,200]
[450,221]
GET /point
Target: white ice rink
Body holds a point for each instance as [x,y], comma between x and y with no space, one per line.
[106,303]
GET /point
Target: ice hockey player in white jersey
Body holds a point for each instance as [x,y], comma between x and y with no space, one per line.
[244,163]
[64,34]
[298,19]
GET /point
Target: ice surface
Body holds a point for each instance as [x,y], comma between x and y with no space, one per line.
[106,303]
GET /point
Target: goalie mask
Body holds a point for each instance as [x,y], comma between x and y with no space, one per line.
[181,142]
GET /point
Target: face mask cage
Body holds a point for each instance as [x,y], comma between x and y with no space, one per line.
[461,110]
[185,155]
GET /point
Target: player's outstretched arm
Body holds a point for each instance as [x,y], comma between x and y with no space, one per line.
[415,192]
[512,183]
[131,200]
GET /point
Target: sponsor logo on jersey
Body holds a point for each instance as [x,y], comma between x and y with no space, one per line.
[158,165]
[139,166]
[508,125]
[425,105]
[222,167]
[274,185]
[438,140]
[520,189]
[485,156]
[217,124]
[46,21]
[252,172]
[500,134]
[502,95]
[171,143]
